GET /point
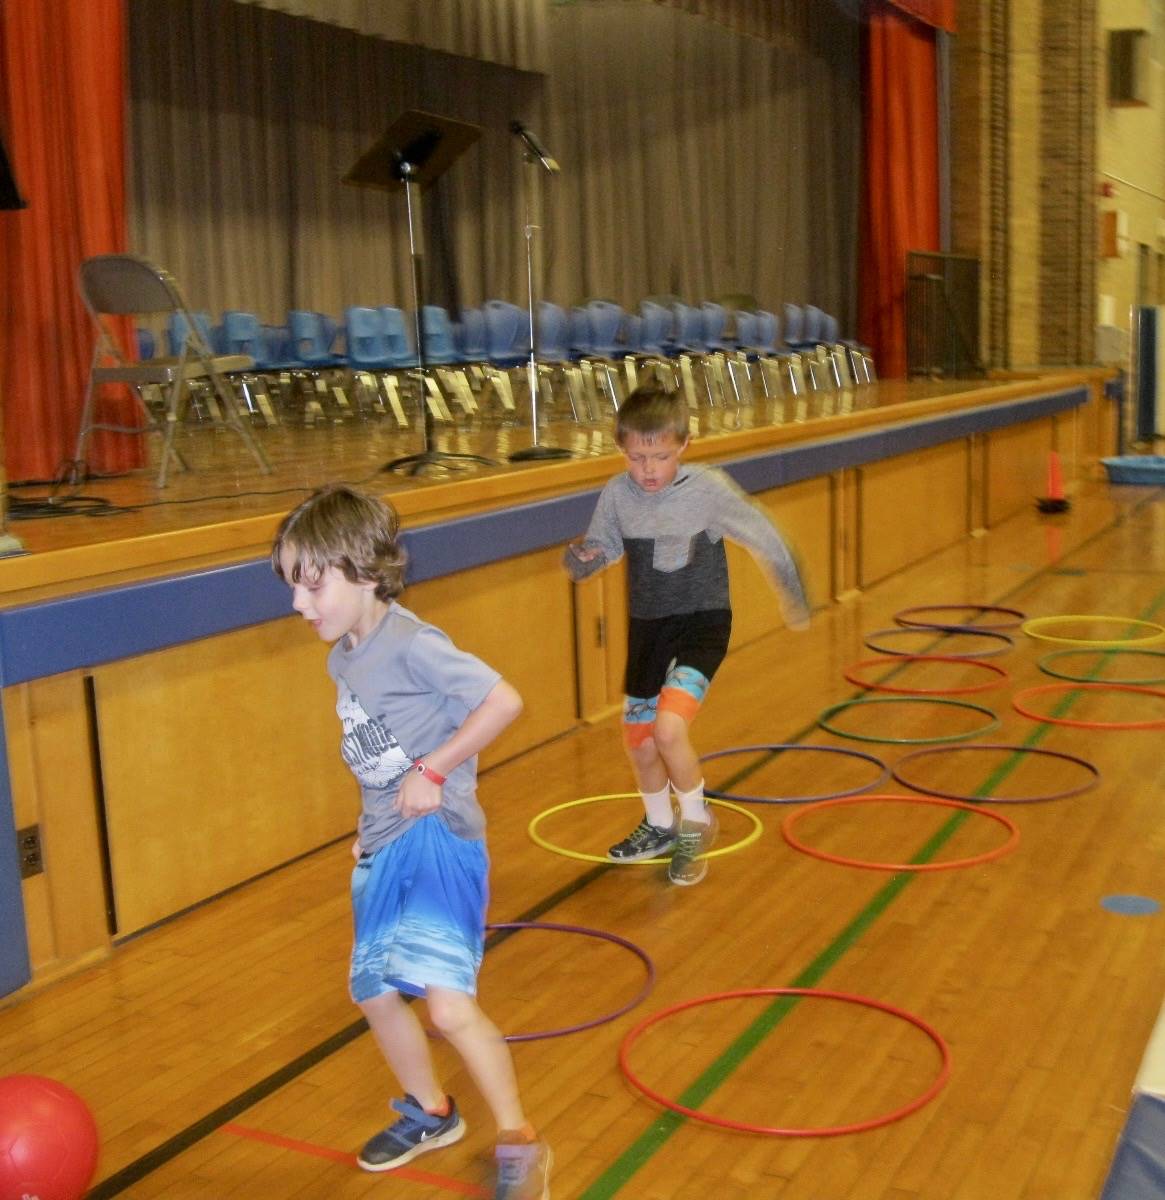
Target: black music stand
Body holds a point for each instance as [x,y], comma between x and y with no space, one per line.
[415,150]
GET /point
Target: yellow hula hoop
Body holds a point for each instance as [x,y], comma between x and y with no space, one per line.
[538,839]
[1032,627]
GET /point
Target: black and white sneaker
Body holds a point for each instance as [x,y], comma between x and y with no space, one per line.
[644,841]
[414,1132]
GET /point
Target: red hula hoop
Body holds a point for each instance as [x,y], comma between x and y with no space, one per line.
[948,865]
[777,1131]
[889,660]
[1089,687]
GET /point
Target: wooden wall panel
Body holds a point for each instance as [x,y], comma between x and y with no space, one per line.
[803,514]
[220,759]
[911,507]
[1017,467]
[50,762]
[518,616]
[600,611]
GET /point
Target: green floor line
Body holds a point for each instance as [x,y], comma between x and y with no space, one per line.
[656,1135]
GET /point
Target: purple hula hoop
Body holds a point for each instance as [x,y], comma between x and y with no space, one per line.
[907,618]
[929,791]
[885,773]
[585,931]
[898,630]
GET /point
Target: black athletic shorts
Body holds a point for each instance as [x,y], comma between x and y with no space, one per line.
[698,640]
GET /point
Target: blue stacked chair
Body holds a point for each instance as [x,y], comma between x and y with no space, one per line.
[443,354]
[177,331]
[242,332]
[440,344]
[204,404]
[469,336]
[656,338]
[794,325]
[311,338]
[507,347]
[555,359]
[606,326]
[378,348]
[715,320]
[689,330]
[507,334]
[812,333]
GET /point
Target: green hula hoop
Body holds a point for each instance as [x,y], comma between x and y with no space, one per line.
[1034,627]
[1148,681]
[823,720]
[539,840]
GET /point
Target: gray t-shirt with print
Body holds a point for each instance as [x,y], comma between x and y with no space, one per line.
[402,692]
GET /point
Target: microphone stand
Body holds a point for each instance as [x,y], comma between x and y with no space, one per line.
[533,161]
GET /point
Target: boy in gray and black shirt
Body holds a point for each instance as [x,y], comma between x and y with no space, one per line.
[670,520]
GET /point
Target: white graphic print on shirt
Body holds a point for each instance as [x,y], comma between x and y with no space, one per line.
[374,755]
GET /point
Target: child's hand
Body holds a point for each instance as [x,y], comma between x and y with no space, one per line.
[356,850]
[418,796]
[583,552]
[796,617]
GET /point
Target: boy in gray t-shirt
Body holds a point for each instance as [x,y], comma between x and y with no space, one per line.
[670,521]
[415,711]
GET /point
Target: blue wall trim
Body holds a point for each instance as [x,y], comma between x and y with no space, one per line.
[104,626]
[76,632]
[15,969]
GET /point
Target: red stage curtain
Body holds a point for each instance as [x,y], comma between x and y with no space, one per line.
[62,104]
[901,209]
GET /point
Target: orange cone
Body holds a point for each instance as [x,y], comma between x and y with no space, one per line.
[1055,500]
[1055,477]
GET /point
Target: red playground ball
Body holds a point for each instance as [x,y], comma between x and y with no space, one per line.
[48,1140]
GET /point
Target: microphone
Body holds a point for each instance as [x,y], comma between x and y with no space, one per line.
[534,146]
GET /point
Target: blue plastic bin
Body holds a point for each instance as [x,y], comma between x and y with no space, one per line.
[1136,468]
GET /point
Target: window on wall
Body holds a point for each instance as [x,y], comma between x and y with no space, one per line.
[1128,67]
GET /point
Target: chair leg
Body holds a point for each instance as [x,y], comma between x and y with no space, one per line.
[232,418]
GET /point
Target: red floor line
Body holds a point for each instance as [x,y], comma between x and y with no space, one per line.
[286,1143]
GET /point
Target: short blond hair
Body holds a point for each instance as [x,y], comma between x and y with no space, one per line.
[652,411]
[339,526]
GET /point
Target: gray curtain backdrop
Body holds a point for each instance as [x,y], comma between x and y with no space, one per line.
[697,160]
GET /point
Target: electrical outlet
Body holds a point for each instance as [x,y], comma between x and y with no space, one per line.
[28,847]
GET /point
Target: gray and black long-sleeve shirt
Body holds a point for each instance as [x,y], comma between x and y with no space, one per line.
[674,542]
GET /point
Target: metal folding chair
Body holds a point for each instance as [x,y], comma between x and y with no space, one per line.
[126,285]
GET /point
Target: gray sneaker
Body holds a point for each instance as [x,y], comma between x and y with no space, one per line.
[644,841]
[693,840]
[413,1133]
[523,1171]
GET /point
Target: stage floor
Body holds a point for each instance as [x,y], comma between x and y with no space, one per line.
[225,508]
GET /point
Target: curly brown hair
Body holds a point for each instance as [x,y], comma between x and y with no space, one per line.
[339,526]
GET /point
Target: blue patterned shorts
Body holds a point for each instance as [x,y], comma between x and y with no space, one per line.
[418,906]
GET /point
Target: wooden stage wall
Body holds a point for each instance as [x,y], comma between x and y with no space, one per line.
[162,770]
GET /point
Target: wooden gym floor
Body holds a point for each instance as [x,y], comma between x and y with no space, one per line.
[222,1058]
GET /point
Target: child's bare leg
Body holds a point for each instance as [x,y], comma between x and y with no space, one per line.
[677,756]
[482,1048]
[405,1047]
